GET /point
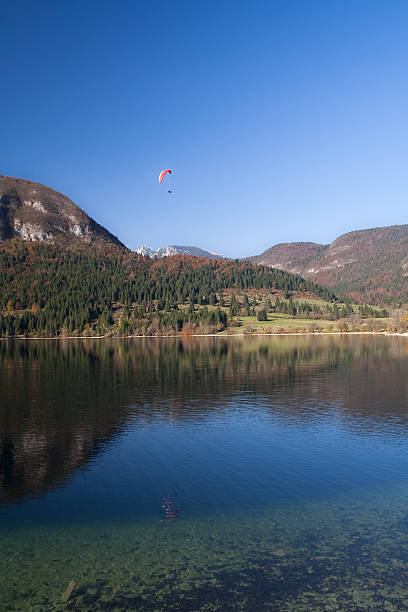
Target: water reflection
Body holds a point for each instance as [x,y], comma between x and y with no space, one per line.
[171,512]
[204,474]
[63,401]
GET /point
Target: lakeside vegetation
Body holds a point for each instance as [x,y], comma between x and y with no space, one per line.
[47,290]
[51,291]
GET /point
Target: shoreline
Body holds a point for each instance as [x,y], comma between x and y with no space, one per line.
[220,335]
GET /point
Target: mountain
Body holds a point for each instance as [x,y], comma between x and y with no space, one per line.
[369,265]
[291,256]
[36,213]
[174,249]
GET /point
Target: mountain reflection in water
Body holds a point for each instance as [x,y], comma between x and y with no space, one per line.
[63,401]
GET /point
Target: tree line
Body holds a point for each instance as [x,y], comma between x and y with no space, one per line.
[330,312]
[51,290]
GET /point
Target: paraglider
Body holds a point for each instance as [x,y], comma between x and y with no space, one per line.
[161,177]
[163,174]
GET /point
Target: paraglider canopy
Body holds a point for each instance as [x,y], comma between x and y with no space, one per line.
[162,175]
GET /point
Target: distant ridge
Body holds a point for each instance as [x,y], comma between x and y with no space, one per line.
[369,265]
[175,249]
[36,213]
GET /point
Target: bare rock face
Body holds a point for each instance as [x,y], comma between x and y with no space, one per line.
[33,212]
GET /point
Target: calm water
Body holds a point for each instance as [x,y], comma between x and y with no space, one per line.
[204,474]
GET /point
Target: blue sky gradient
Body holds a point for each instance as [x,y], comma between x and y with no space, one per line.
[281,120]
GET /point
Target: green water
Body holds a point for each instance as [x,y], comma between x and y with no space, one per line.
[204,474]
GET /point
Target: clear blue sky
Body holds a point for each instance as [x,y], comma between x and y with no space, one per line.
[282,120]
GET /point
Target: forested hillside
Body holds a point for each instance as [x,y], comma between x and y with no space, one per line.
[368,265]
[47,290]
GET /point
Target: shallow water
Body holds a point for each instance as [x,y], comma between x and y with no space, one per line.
[204,474]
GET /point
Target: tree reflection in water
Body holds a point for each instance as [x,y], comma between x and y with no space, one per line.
[62,401]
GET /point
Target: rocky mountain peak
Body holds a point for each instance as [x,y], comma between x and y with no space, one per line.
[33,212]
[174,249]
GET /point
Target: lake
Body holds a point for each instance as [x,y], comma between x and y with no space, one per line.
[260,473]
